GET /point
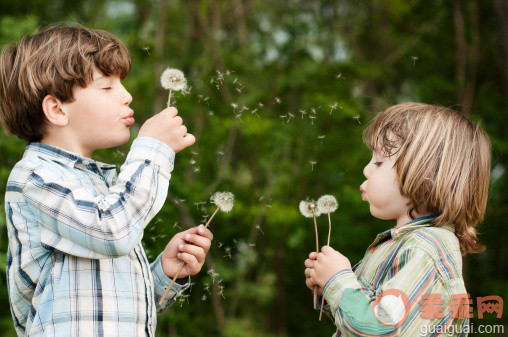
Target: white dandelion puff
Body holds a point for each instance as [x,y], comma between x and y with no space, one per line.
[173,79]
[327,204]
[223,200]
[309,209]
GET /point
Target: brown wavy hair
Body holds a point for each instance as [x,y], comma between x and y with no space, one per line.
[53,62]
[442,162]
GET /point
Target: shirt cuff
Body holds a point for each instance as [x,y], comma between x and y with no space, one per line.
[162,282]
[154,150]
[334,288]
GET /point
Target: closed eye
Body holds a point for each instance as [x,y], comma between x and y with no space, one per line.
[377,163]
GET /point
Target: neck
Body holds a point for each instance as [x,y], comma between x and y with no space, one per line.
[67,143]
[405,218]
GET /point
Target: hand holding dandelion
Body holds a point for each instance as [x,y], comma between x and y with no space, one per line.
[173,79]
[309,209]
[327,204]
[224,201]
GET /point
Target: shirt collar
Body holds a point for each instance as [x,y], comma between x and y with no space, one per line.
[397,232]
[73,160]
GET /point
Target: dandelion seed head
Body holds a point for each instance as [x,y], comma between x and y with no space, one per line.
[223,200]
[309,209]
[327,204]
[173,79]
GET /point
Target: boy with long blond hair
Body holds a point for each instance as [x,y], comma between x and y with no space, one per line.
[429,172]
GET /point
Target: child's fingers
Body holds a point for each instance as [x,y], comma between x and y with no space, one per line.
[203,231]
[309,263]
[199,241]
[197,251]
[327,249]
[190,260]
[171,111]
[313,256]
[310,283]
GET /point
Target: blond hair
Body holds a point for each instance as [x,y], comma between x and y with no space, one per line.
[442,164]
[53,62]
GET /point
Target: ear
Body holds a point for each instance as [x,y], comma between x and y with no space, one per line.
[53,111]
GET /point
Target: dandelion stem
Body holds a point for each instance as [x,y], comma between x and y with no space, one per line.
[328,243]
[169,98]
[209,220]
[172,282]
[317,252]
[329,229]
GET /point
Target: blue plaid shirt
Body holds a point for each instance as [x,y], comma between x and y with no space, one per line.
[75,263]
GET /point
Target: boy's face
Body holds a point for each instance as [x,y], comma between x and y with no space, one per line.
[99,117]
[381,190]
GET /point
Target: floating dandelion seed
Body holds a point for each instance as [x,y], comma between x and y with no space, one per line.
[277,100]
[333,107]
[415,58]
[260,105]
[255,111]
[327,204]
[303,112]
[147,49]
[312,163]
[340,76]
[203,297]
[234,106]
[173,79]
[321,138]
[259,228]
[309,209]
[357,117]
[228,252]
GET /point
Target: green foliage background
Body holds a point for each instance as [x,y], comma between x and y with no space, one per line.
[315,71]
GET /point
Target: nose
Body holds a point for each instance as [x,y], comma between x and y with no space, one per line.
[126,96]
[366,171]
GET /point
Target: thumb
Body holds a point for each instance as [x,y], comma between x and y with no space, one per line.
[327,250]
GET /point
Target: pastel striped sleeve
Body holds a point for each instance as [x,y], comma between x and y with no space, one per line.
[352,303]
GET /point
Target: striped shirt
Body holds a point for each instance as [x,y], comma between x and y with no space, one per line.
[418,263]
[75,262]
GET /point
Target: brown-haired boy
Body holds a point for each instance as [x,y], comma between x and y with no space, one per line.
[76,265]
